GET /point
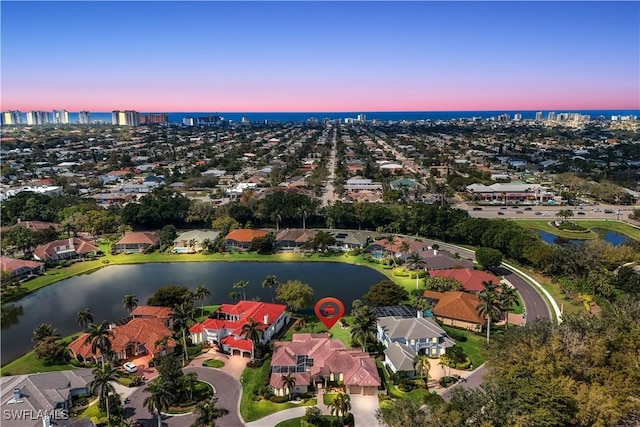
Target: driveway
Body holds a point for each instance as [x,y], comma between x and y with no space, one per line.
[364,409]
[227,389]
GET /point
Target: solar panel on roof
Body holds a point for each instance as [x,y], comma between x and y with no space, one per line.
[396,310]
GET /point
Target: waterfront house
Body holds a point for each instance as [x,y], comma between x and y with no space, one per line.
[293,239]
[191,241]
[318,359]
[470,278]
[240,239]
[422,334]
[71,248]
[20,268]
[455,308]
[137,242]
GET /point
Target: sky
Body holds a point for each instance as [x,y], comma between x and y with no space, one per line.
[319,56]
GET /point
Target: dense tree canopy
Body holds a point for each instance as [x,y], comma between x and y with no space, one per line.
[170,296]
[384,293]
[295,294]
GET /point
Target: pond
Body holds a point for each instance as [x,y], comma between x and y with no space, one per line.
[102,291]
[607,235]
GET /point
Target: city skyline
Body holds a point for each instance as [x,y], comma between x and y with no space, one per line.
[333,56]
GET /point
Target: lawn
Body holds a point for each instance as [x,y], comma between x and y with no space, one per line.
[417,394]
[94,413]
[251,410]
[207,310]
[326,421]
[472,346]
[213,363]
[328,398]
[29,363]
[312,325]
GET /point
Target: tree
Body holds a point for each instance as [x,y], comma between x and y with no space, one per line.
[507,298]
[183,316]
[101,384]
[295,294]
[100,336]
[253,331]
[313,415]
[159,399]
[170,296]
[19,237]
[404,247]
[130,302]
[417,264]
[364,323]
[341,405]
[322,240]
[200,294]
[188,382]
[263,244]
[272,283]
[52,351]
[84,317]
[224,224]
[235,296]
[242,284]
[384,293]
[289,383]
[276,217]
[488,257]
[207,414]
[44,330]
[421,365]
[403,413]
[303,212]
[167,235]
[489,306]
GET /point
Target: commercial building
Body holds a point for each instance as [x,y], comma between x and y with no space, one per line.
[83,117]
[125,118]
[37,118]
[61,117]
[13,117]
[154,118]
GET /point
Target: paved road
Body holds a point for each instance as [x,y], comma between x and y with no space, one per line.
[328,196]
[227,388]
[549,212]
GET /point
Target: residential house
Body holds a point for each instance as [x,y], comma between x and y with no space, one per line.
[470,279]
[382,247]
[224,328]
[400,358]
[191,241]
[154,312]
[455,308]
[241,239]
[294,239]
[71,248]
[316,359]
[35,396]
[347,240]
[422,334]
[442,260]
[20,268]
[36,226]
[140,336]
[137,242]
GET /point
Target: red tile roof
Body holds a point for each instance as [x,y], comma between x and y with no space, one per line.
[152,311]
[142,331]
[245,235]
[414,246]
[13,264]
[470,279]
[246,310]
[234,343]
[455,305]
[80,247]
[141,237]
[37,225]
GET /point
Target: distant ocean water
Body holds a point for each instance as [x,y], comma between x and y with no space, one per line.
[176,117]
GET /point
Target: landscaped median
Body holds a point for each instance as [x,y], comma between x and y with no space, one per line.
[613,225]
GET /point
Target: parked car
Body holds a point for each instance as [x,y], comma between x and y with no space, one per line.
[538,213]
[581,213]
[504,208]
[608,211]
[130,367]
[500,213]
[528,209]
[477,209]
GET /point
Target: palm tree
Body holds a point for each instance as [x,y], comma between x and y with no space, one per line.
[84,317]
[489,305]
[100,336]
[161,344]
[421,365]
[242,284]
[201,293]
[101,383]
[404,247]
[341,405]
[160,398]
[364,325]
[207,414]
[271,282]
[288,382]
[188,382]
[276,217]
[235,296]
[207,245]
[130,302]
[183,315]
[417,263]
[507,298]
[252,331]
[44,330]
[303,212]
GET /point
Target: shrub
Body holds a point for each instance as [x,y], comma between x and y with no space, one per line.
[457,336]
[447,381]
[136,382]
[255,364]
[125,381]
[279,399]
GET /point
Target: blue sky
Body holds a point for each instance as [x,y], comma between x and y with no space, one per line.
[312,56]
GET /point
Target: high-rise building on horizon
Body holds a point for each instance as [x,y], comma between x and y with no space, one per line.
[539,116]
[154,118]
[35,118]
[125,118]
[12,117]
[83,117]
[551,116]
[517,117]
[61,117]
[362,117]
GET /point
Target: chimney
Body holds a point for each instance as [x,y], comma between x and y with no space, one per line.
[419,314]
[17,394]
[71,243]
[46,421]
[265,320]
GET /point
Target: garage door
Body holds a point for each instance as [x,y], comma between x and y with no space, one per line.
[369,391]
[355,389]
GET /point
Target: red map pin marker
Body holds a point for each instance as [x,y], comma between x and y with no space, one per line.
[329,310]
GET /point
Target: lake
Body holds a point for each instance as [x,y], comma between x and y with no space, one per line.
[607,235]
[102,291]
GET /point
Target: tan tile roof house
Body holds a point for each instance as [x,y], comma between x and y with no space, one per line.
[71,248]
[315,358]
[137,242]
[456,308]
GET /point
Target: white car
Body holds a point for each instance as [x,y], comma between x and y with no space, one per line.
[130,367]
